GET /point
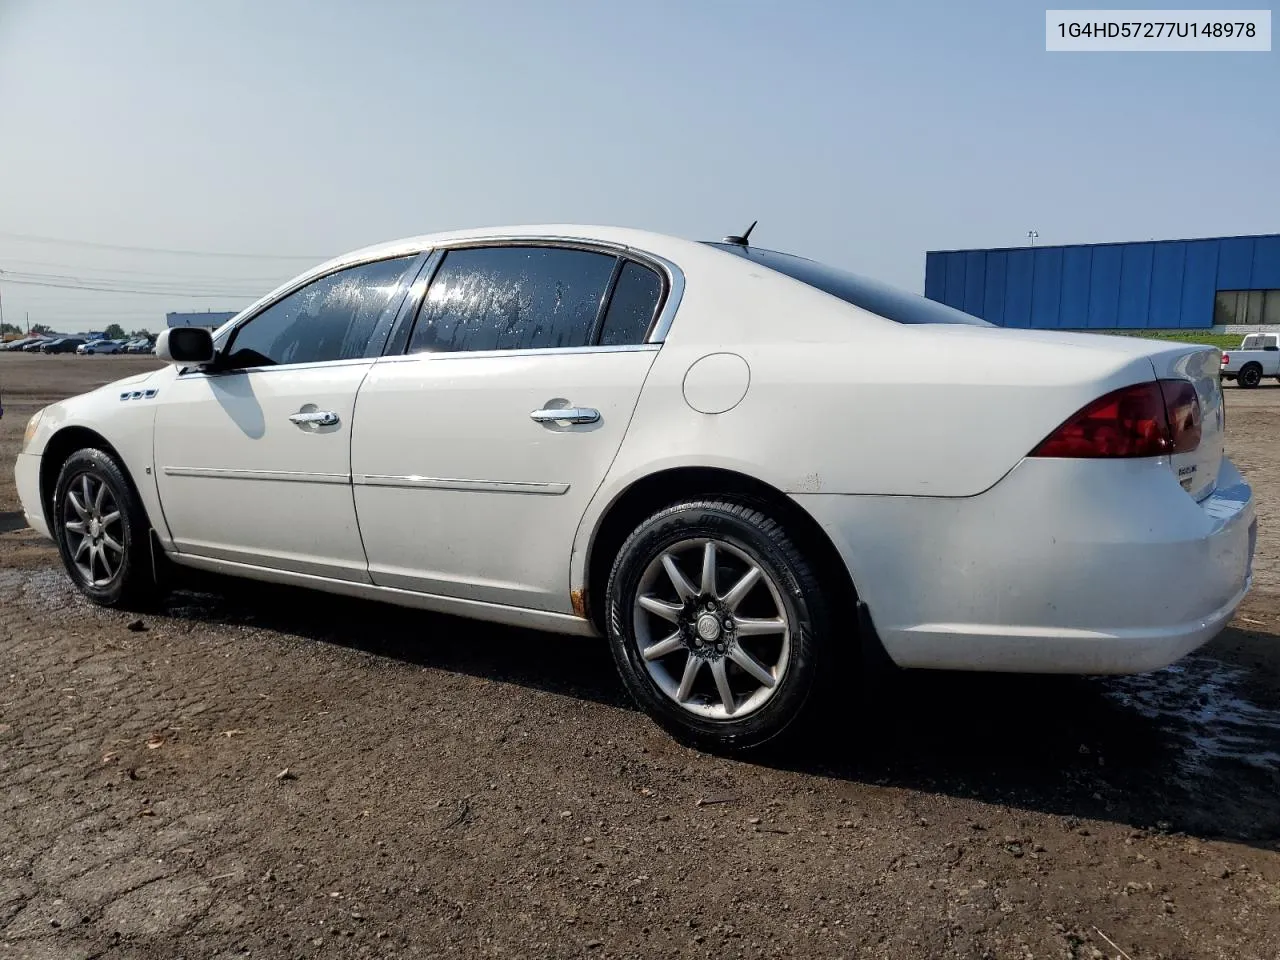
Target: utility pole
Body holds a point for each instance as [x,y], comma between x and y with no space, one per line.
[1031,235]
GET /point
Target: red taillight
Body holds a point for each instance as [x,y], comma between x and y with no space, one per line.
[1136,421]
[1226,357]
[1182,405]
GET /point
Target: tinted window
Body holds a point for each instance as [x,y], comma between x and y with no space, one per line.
[332,318]
[632,306]
[512,298]
[879,298]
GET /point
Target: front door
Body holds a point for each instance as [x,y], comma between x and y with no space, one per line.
[253,456]
[475,455]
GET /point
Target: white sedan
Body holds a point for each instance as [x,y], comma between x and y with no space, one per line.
[695,449]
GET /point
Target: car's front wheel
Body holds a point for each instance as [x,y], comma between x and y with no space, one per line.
[718,624]
[102,531]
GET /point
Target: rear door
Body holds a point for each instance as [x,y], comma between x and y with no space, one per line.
[253,457]
[476,452]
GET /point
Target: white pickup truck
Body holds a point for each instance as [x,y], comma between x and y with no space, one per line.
[1258,357]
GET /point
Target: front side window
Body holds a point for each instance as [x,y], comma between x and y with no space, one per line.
[332,318]
[512,298]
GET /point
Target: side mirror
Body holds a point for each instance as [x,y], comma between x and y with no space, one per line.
[185,345]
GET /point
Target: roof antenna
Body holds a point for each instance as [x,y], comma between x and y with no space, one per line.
[742,240]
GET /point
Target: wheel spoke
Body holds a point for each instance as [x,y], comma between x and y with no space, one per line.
[93,555]
[709,569]
[660,608]
[690,674]
[86,491]
[110,518]
[722,685]
[740,589]
[99,497]
[753,627]
[76,505]
[684,589]
[110,543]
[75,526]
[753,666]
[108,570]
[84,544]
[663,647]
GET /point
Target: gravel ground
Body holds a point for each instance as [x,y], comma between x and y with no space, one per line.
[275,773]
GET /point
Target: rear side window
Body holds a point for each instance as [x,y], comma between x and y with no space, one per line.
[632,306]
[512,298]
[871,295]
[332,318]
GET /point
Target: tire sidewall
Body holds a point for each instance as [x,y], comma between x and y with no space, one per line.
[772,550]
[1250,376]
[103,467]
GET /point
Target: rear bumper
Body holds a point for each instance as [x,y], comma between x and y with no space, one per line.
[1063,567]
[26,474]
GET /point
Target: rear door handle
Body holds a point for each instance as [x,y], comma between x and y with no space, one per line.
[566,415]
[317,418]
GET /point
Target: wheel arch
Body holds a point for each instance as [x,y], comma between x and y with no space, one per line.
[652,492]
[59,447]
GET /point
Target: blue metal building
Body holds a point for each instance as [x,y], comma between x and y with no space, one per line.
[1225,282]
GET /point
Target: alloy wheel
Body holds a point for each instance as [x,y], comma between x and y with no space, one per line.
[712,629]
[94,527]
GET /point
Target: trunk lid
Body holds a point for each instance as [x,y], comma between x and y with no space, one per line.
[1197,470]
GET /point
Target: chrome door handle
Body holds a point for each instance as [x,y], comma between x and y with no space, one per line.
[566,415]
[319,418]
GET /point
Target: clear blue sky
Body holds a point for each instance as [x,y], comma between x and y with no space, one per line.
[858,133]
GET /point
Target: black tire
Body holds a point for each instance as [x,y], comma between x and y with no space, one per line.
[1250,376]
[121,578]
[803,662]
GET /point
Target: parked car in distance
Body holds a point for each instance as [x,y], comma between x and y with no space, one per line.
[691,449]
[62,345]
[1258,357]
[35,345]
[100,346]
[140,345]
[17,345]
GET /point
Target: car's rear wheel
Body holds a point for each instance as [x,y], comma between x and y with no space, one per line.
[1250,375]
[718,625]
[102,531]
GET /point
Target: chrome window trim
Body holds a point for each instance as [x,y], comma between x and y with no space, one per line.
[658,331]
[281,367]
[673,291]
[524,352]
[228,330]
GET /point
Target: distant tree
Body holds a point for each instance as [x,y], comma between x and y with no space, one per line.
[41,328]
[114,332]
[8,328]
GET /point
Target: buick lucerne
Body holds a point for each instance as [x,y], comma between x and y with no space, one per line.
[747,470]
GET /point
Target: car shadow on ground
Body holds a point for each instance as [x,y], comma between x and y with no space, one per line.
[1179,750]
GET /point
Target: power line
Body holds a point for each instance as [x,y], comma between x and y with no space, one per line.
[36,238]
[162,274]
[137,286]
[153,293]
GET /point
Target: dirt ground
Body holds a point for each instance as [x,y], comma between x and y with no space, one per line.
[273,773]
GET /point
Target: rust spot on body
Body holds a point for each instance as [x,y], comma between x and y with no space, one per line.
[578,599]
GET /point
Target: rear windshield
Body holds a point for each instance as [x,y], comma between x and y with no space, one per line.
[879,298]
